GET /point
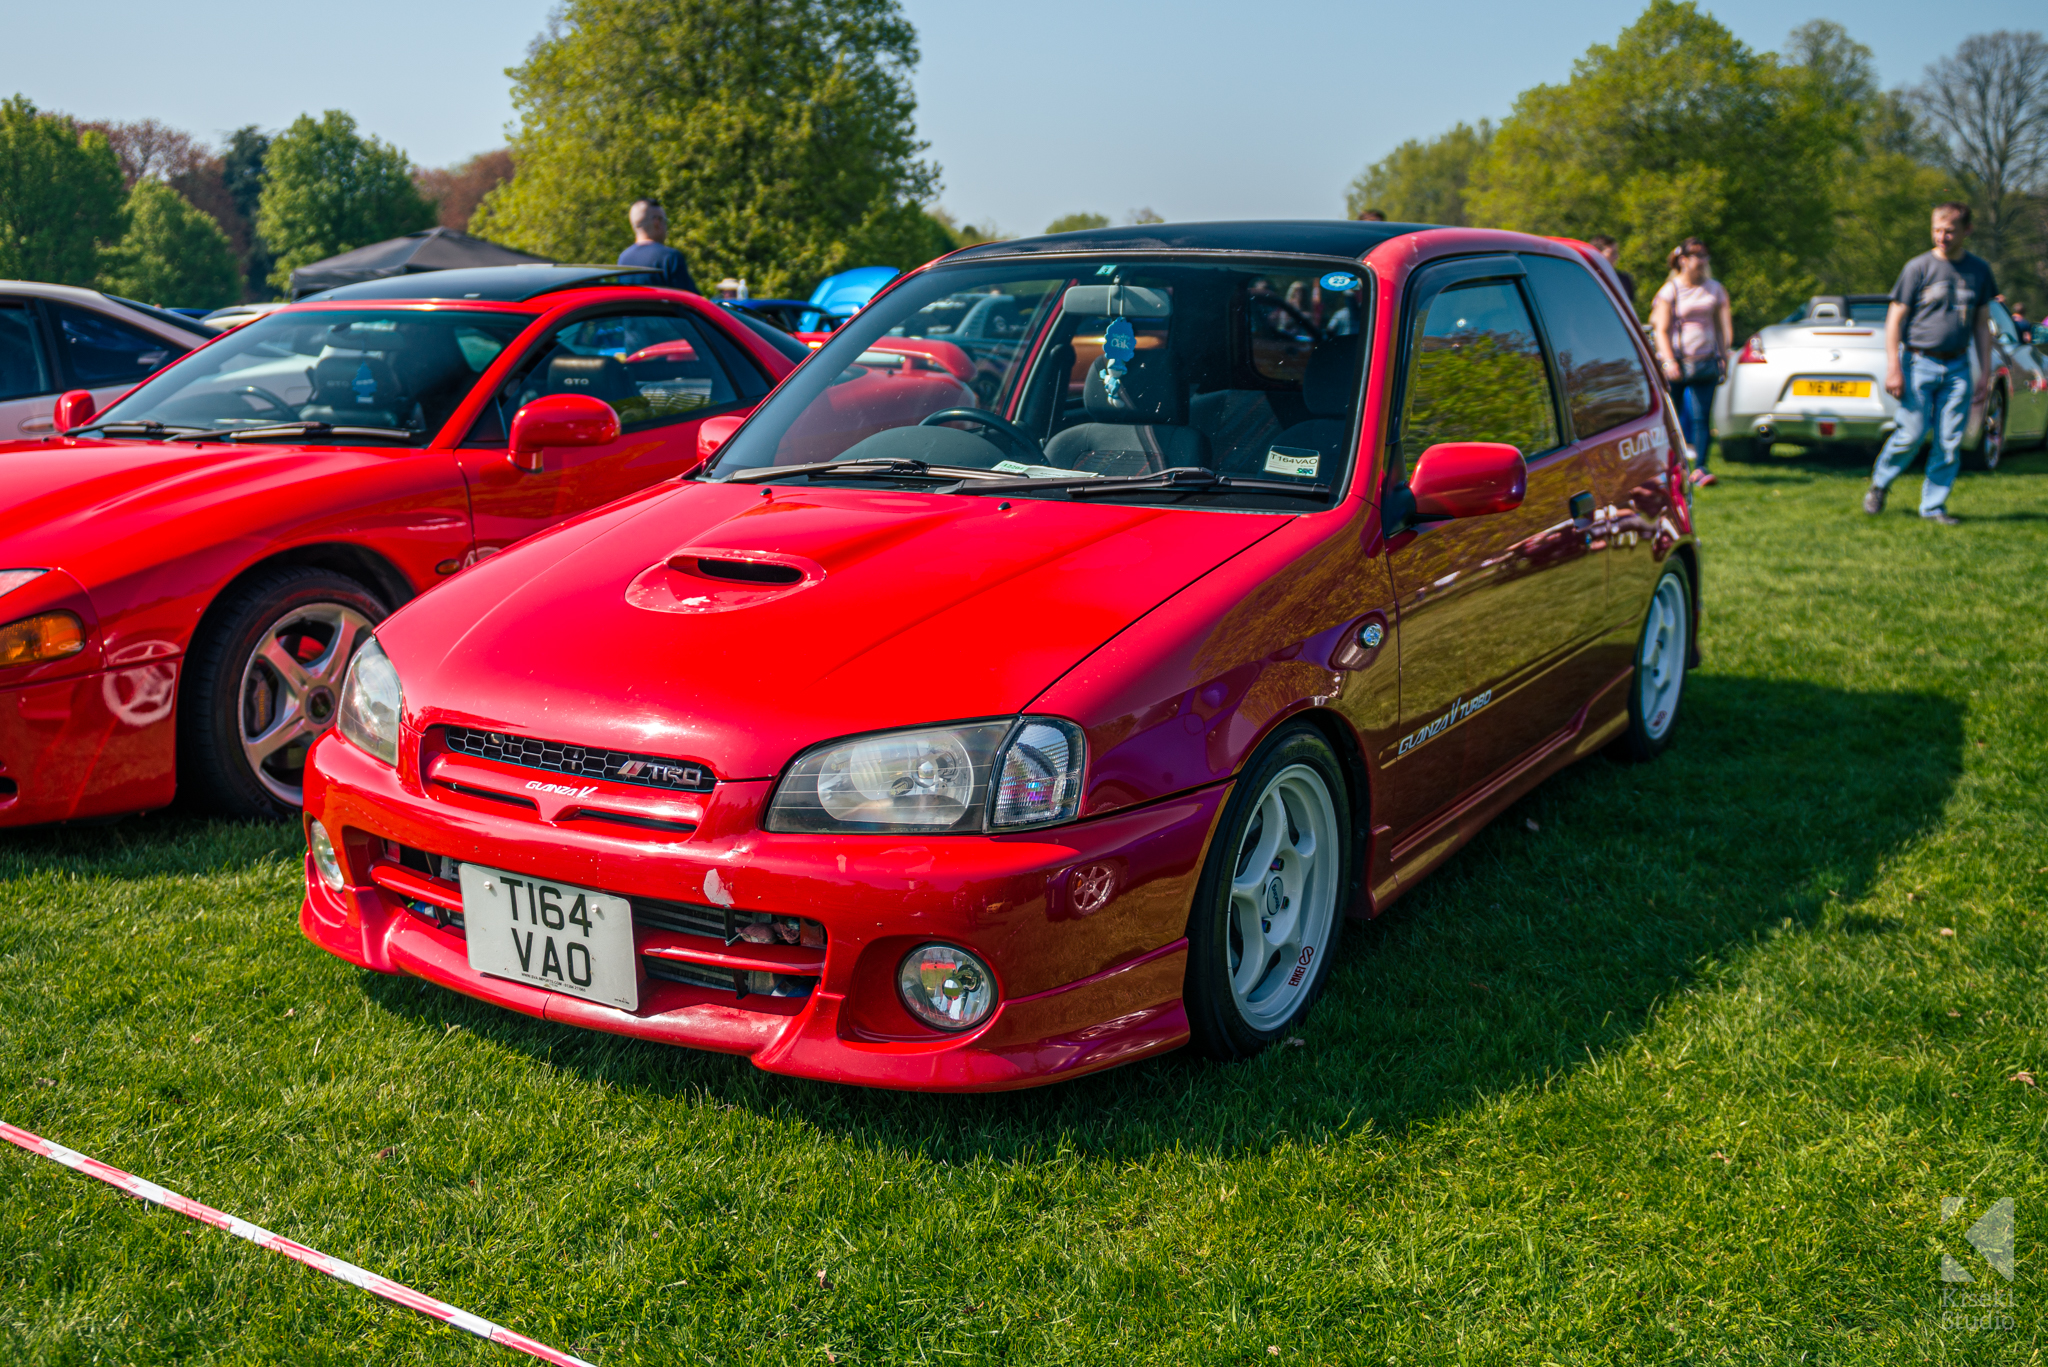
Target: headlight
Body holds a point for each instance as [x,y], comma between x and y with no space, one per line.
[323,856]
[45,636]
[946,987]
[976,777]
[371,700]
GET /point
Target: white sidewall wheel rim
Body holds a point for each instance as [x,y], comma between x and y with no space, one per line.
[281,699]
[1660,660]
[1282,898]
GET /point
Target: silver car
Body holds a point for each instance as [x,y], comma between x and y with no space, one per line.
[1818,379]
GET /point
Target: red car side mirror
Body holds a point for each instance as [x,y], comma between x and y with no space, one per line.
[714,433]
[74,409]
[560,420]
[1467,479]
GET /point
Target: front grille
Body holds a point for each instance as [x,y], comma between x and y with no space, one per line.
[728,980]
[645,771]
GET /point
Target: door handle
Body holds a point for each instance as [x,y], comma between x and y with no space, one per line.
[39,425]
[1582,513]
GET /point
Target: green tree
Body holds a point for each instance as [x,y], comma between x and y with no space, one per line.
[1677,130]
[60,196]
[1423,182]
[328,189]
[1074,223]
[171,254]
[1885,178]
[779,135]
[241,170]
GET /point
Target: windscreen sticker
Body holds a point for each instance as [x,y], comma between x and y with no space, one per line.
[1337,282]
[1293,461]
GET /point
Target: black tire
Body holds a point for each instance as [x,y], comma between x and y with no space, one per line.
[1991,441]
[1654,697]
[1742,450]
[1284,981]
[226,685]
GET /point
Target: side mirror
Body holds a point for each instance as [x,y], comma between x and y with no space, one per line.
[714,433]
[1467,479]
[560,420]
[74,409]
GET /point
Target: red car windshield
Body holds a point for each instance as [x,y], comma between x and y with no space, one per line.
[397,371]
[1232,384]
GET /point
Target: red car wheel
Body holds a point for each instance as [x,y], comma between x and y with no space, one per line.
[1661,655]
[264,682]
[1269,908]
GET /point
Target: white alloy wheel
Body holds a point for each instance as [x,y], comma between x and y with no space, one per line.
[1660,661]
[1283,897]
[291,690]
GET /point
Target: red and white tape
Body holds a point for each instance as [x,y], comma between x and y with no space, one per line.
[391,1291]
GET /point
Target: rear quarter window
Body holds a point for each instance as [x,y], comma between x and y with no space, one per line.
[1604,381]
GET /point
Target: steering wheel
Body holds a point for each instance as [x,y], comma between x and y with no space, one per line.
[285,412]
[1019,439]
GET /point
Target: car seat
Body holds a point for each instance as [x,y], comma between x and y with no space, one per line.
[601,377]
[434,372]
[1327,386]
[355,390]
[1143,429]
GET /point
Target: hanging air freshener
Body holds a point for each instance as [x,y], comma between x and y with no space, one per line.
[1119,345]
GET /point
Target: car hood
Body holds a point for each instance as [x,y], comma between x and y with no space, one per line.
[906,608]
[56,496]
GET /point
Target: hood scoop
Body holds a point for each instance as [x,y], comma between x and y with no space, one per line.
[720,579]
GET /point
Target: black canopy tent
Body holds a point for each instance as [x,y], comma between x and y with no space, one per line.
[435,249]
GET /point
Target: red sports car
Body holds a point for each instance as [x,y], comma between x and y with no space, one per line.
[1024,740]
[184,577]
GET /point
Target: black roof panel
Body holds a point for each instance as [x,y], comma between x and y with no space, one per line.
[499,284]
[1301,237]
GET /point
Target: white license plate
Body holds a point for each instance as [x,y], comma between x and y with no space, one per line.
[552,935]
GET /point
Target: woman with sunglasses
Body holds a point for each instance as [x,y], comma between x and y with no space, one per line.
[1694,329]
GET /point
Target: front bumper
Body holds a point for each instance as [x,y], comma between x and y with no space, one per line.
[1086,982]
[93,744]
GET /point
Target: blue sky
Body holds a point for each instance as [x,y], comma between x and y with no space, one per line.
[1197,109]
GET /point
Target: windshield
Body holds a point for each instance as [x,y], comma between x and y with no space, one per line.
[1244,379]
[403,371]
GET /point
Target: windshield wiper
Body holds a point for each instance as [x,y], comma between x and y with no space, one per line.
[1180,478]
[867,469]
[291,429]
[147,427]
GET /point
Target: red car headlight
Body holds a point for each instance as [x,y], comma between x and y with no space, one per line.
[974,777]
[45,636]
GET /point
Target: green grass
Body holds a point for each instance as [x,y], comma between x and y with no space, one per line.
[1680,1072]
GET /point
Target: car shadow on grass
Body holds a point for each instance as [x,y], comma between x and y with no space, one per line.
[1553,937]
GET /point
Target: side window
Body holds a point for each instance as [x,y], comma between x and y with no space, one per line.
[1604,383]
[24,370]
[747,377]
[652,368]
[1476,373]
[105,352]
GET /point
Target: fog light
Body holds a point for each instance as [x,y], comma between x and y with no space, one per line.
[946,987]
[323,856]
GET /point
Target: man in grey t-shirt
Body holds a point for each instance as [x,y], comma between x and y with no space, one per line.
[1940,313]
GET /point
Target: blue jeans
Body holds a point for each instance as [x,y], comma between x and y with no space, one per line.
[1695,404]
[1939,392]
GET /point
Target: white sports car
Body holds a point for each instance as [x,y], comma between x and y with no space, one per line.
[1818,378]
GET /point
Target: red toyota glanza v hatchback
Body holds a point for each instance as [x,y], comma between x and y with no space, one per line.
[1027,739]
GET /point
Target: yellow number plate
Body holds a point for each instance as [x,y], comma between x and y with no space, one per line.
[1831,389]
